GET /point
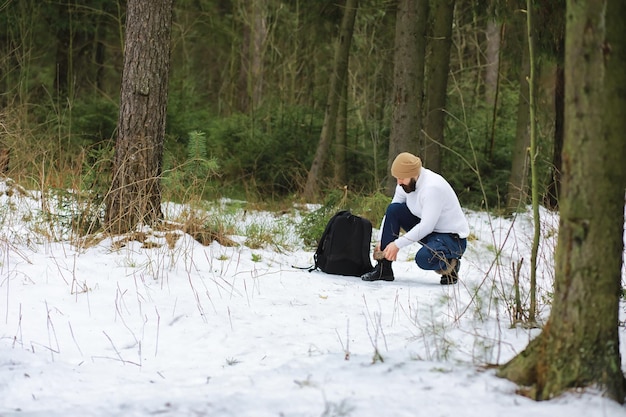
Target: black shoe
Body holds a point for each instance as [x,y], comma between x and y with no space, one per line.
[452,277]
[381,272]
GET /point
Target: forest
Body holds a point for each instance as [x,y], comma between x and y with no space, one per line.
[292,101]
[248,91]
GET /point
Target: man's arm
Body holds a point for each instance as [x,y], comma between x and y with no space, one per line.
[431,211]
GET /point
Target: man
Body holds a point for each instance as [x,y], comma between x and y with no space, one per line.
[426,207]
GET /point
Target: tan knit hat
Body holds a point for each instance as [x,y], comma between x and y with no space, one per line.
[406,165]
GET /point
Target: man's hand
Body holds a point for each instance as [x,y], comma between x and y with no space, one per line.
[391,251]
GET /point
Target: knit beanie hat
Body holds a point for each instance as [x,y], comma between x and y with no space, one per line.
[406,165]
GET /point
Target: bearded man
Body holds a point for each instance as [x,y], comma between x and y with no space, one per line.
[427,209]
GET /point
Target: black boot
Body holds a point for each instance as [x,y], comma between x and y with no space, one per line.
[452,276]
[382,271]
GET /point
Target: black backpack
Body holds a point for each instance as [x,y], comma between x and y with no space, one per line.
[344,248]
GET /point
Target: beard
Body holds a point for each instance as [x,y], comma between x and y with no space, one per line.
[410,187]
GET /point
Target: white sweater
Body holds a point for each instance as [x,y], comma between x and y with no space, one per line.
[436,204]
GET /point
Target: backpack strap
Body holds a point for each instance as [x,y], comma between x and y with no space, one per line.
[308,268]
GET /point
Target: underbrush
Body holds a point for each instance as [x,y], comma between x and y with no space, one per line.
[61,215]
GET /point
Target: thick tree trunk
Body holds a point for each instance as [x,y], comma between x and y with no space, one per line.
[408,81]
[338,79]
[135,196]
[437,89]
[579,345]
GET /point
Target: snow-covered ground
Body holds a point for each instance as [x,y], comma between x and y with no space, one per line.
[170,327]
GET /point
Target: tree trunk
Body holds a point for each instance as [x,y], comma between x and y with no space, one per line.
[408,81]
[338,80]
[517,192]
[495,33]
[579,345]
[492,66]
[253,49]
[243,94]
[341,144]
[437,89]
[552,195]
[259,36]
[135,196]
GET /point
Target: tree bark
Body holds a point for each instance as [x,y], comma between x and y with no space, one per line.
[408,81]
[494,34]
[259,36]
[135,196]
[341,143]
[492,66]
[252,54]
[579,345]
[243,93]
[552,195]
[517,191]
[437,88]
[338,80]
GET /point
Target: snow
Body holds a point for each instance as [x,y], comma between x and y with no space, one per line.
[115,328]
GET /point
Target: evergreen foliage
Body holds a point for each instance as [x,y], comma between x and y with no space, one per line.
[314,222]
[193,176]
[264,152]
[94,119]
[477,174]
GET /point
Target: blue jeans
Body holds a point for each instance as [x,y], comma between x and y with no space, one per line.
[436,248]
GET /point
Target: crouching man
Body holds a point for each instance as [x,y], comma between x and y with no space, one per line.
[426,207]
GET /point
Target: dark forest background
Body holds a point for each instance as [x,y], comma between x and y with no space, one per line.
[248,89]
